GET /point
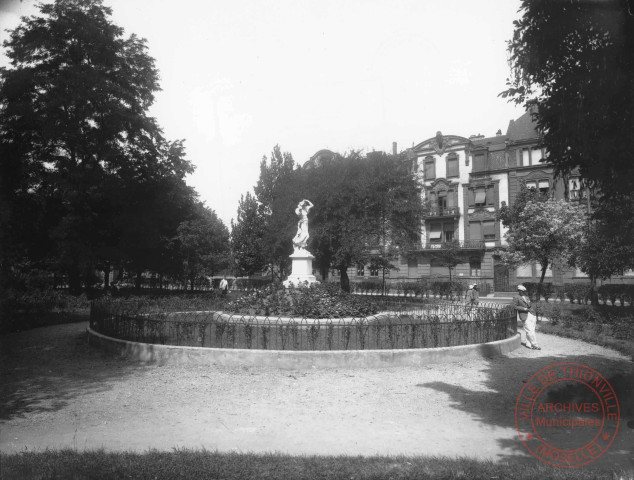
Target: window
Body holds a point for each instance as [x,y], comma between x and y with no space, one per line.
[435,233]
[374,271]
[488,229]
[536,155]
[544,186]
[480,196]
[531,185]
[452,165]
[526,157]
[451,200]
[430,168]
[360,270]
[476,268]
[442,199]
[490,194]
[478,163]
[525,271]
[449,231]
[475,231]
[437,269]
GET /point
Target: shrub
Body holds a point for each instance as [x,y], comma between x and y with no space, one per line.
[314,301]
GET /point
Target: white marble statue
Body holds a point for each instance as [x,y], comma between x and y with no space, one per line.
[301,238]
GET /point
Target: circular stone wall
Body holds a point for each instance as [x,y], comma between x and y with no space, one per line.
[285,359]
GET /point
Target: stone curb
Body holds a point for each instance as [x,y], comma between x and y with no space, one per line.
[177,355]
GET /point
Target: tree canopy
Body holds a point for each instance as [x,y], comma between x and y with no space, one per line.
[573,61]
[80,156]
[541,230]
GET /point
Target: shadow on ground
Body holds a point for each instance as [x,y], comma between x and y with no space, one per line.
[42,369]
[496,406]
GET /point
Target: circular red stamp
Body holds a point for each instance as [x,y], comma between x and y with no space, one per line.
[567,415]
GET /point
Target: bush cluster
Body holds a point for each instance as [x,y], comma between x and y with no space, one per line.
[21,310]
[420,288]
[314,301]
[617,323]
[580,293]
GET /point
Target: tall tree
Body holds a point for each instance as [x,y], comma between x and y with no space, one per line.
[74,130]
[247,237]
[278,192]
[573,61]
[364,206]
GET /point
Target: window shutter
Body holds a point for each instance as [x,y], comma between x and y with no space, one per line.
[475,231]
[488,229]
[480,196]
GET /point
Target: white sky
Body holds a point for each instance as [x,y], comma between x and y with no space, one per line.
[240,76]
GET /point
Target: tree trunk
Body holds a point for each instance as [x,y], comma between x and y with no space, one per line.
[594,296]
[541,282]
[345,281]
[106,276]
[137,284]
[74,280]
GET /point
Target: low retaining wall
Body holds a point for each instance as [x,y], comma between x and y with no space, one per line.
[284,359]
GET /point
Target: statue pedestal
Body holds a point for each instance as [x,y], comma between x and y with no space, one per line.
[302,270]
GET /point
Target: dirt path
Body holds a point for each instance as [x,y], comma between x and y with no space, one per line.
[56,392]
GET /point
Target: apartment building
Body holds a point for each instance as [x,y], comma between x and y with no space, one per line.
[466,181]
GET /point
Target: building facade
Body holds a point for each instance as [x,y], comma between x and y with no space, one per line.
[465,182]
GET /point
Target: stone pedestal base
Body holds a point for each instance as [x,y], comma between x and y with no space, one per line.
[302,270]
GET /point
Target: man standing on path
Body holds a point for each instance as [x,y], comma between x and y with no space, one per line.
[523,309]
[224,286]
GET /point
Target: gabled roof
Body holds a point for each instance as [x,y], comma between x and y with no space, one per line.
[523,128]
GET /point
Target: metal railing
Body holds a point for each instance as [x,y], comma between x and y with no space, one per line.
[397,326]
[464,244]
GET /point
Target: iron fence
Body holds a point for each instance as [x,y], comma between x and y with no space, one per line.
[397,326]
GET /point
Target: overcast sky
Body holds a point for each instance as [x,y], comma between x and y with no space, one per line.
[240,76]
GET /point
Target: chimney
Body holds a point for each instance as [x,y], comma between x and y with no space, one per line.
[393,148]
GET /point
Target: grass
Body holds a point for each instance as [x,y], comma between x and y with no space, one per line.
[588,335]
[202,464]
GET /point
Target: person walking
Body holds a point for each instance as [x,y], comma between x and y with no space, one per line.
[523,308]
[224,286]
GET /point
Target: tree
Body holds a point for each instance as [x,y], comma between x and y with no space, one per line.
[247,237]
[605,250]
[364,207]
[450,255]
[76,140]
[203,243]
[278,193]
[541,230]
[573,61]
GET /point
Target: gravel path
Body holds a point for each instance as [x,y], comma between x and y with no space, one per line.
[57,392]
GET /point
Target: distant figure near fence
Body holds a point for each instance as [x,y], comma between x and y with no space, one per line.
[224,286]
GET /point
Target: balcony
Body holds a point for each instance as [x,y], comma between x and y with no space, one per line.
[462,244]
[443,212]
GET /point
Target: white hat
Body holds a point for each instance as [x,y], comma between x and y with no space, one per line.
[521,287]
[470,286]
